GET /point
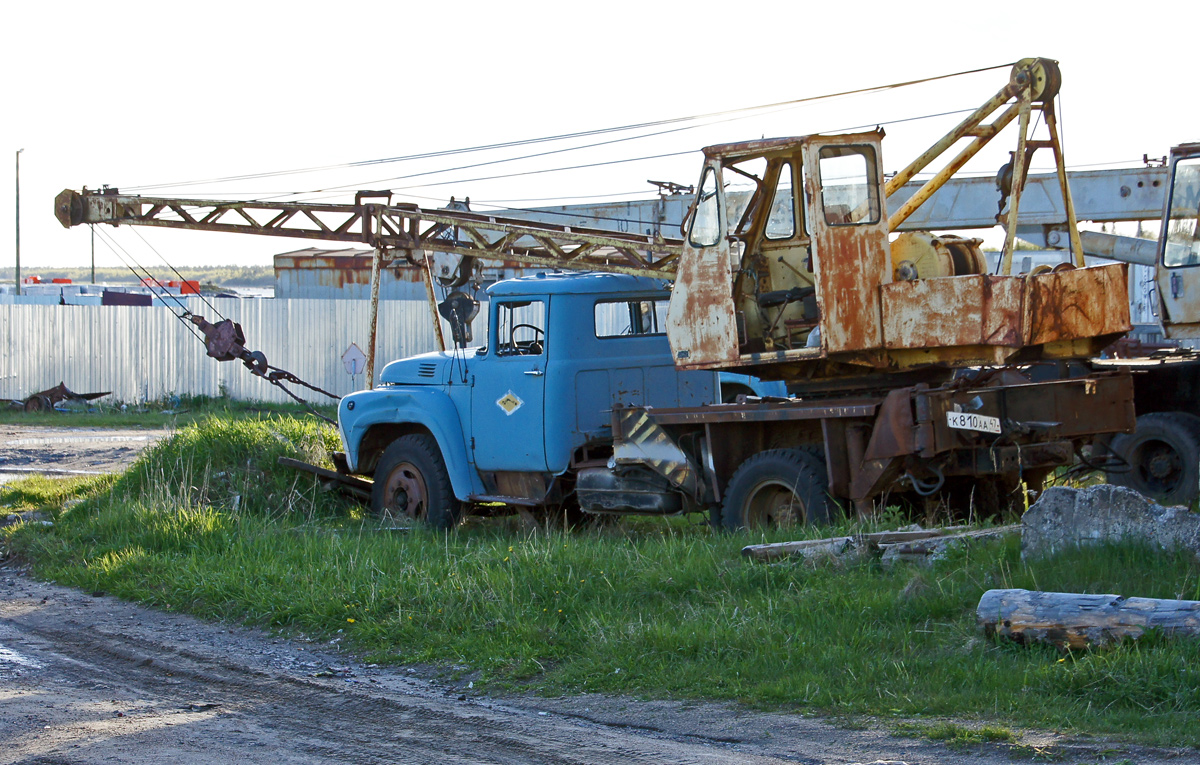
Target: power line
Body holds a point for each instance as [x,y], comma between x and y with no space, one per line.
[566,136]
[181,279]
[359,185]
[113,244]
[617,161]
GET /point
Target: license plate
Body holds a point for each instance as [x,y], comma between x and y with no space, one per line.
[968,421]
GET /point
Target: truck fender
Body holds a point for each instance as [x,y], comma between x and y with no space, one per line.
[431,410]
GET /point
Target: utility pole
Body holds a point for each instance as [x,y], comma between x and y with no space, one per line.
[93,230]
[19,220]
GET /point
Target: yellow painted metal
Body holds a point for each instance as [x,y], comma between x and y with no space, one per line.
[943,175]
[1033,80]
[1061,168]
[962,130]
[1018,183]
[955,356]
[923,255]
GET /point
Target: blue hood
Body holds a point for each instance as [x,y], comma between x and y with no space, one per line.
[426,369]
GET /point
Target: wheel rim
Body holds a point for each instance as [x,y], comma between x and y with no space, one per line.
[773,504]
[405,493]
[1159,466]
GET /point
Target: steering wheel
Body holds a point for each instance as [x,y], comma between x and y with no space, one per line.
[529,346]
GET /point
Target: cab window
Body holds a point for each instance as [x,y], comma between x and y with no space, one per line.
[1182,245]
[706,227]
[849,186]
[781,221]
[520,328]
[630,318]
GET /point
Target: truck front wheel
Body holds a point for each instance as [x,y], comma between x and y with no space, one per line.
[1164,457]
[411,482]
[777,488]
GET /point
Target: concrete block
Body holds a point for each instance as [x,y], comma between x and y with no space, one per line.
[1063,518]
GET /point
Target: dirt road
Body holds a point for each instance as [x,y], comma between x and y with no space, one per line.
[26,450]
[86,678]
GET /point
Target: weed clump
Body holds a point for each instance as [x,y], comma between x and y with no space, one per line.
[233,465]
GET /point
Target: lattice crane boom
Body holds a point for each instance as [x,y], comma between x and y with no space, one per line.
[400,231]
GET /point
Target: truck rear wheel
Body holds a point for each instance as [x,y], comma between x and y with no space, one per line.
[411,482]
[777,488]
[1164,457]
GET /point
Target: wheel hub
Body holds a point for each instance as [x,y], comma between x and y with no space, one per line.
[1162,466]
[774,504]
[406,492]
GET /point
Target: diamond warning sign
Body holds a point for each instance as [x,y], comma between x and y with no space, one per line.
[509,402]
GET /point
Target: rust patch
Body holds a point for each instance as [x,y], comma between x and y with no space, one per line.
[700,318]
[894,434]
[1080,303]
[954,311]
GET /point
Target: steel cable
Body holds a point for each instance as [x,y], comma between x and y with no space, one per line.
[567,136]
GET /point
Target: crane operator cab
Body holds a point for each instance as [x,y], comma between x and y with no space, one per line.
[789,270]
[770,275]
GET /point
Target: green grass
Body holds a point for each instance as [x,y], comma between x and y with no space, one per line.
[206,523]
[957,736]
[171,412]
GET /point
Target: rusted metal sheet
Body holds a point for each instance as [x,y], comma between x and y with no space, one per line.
[1006,311]
[894,434]
[332,269]
[1079,303]
[700,318]
[954,311]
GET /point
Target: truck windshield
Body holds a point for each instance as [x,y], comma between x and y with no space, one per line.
[520,328]
[1182,245]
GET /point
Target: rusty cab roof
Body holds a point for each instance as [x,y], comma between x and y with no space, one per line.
[767,146]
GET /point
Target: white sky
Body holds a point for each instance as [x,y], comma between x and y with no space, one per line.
[131,94]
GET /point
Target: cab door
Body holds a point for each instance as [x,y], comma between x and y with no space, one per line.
[848,223]
[508,392]
[701,323]
[1178,272]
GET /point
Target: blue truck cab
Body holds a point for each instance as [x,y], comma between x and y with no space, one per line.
[514,421]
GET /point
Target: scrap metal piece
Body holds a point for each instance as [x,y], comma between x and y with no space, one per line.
[224,340]
[46,399]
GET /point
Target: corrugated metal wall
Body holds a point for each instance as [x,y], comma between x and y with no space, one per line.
[143,354]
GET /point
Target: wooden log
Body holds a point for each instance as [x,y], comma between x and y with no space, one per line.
[777,550]
[924,550]
[1072,620]
[837,545]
